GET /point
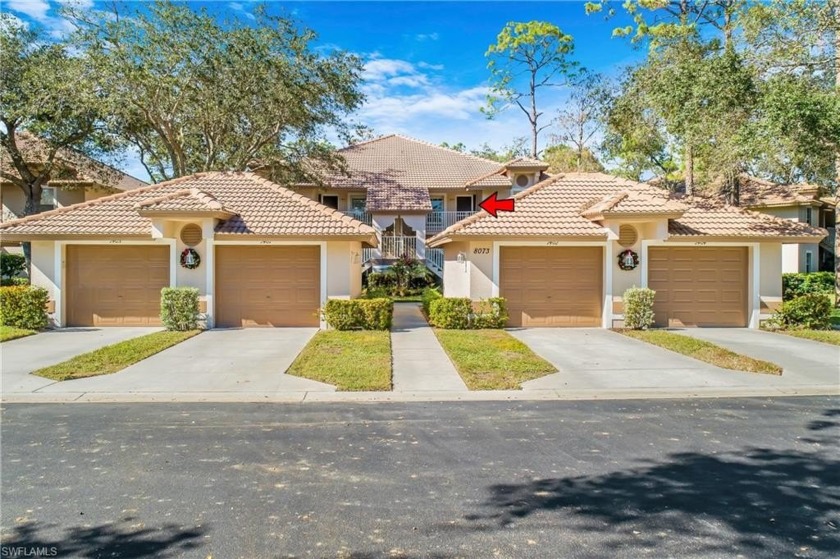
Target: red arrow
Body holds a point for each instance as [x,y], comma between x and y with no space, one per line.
[492,205]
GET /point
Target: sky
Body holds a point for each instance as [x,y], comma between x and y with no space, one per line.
[425,69]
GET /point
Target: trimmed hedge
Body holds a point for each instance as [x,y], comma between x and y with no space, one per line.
[429,295]
[812,311]
[5,282]
[796,285]
[460,313]
[359,314]
[638,308]
[179,308]
[24,307]
[11,265]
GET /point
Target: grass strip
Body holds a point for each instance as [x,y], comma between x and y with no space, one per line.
[114,357]
[492,359]
[825,336]
[704,351]
[11,333]
[351,361]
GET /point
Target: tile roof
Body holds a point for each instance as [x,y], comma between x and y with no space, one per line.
[263,208]
[526,163]
[755,192]
[557,206]
[383,197]
[494,179]
[634,201]
[710,218]
[409,163]
[73,166]
[190,200]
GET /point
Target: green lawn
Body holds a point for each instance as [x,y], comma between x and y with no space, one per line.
[115,357]
[492,359]
[704,351]
[352,361]
[11,333]
[825,336]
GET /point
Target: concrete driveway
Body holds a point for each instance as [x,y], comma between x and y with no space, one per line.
[804,362]
[224,360]
[592,358]
[20,357]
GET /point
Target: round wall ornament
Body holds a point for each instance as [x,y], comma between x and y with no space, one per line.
[190,258]
[628,260]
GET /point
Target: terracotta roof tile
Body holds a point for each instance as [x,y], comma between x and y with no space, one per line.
[397,197]
[186,200]
[263,208]
[556,206]
[493,179]
[755,192]
[526,163]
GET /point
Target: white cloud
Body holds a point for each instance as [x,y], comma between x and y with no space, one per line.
[241,9]
[427,36]
[427,66]
[381,68]
[36,9]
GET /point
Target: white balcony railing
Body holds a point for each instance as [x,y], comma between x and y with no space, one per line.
[364,217]
[395,247]
[438,221]
[434,260]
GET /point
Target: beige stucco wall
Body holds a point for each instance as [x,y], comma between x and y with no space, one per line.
[43,272]
[13,200]
[456,277]
[770,277]
[344,269]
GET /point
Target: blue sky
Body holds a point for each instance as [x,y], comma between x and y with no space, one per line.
[426,73]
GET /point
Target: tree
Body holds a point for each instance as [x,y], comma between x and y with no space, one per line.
[565,159]
[525,59]
[511,151]
[50,115]
[582,117]
[192,94]
[460,147]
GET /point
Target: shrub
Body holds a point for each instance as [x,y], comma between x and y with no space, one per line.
[638,308]
[812,311]
[24,307]
[382,280]
[359,314]
[429,295]
[179,308]
[490,313]
[407,270]
[14,281]
[796,285]
[11,265]
[452,313]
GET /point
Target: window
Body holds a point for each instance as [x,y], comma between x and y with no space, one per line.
[330,201]
[809,261]
[808,216]
[437,204]
[48,198]
[464,204]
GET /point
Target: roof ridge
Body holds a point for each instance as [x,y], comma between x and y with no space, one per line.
[292,195]
[484,176]
[450,150]
[365,142]
[97,201]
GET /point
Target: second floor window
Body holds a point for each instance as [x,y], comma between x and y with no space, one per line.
[808,216]
[48,199]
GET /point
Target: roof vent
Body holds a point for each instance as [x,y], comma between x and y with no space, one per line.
[522,181]
[191,234]
[627,236]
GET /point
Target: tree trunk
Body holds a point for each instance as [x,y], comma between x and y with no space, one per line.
[32,207]
[689,170]
[534,116]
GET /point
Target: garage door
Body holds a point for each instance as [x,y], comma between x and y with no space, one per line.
[703,286]
[115,285]
[267,286]
[552,286]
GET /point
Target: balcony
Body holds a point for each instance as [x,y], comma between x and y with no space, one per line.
[438,221]
[364,217]
[828,242]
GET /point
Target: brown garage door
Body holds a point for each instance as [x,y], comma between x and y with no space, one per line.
[552,286]
[115,285]
[702,286]
[267,286]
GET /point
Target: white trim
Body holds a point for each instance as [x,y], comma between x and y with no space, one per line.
[754,269]
[58,280]
[323,245]
[494,288]
[608,286]
[268,243]
[210,281]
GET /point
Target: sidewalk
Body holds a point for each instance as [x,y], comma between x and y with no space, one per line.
[420,364]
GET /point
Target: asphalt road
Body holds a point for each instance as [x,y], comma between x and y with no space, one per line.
[692,478]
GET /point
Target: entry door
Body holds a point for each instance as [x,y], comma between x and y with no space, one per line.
[465,204]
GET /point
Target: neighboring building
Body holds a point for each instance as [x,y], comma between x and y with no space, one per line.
[76,178]
[409,190]
[558,258]
[802,203]
[273,256]
[265,255]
